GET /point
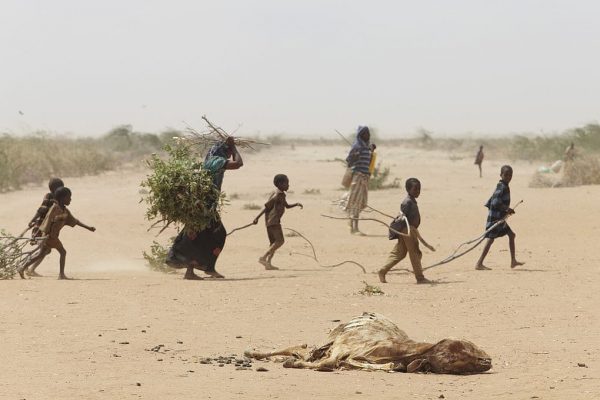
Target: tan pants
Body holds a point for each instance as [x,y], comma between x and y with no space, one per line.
[406,245]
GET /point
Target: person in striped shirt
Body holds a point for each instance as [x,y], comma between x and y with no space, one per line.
[499,209]
[359,159]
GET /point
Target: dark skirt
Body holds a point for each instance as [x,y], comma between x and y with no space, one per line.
[201,250]
[499,231]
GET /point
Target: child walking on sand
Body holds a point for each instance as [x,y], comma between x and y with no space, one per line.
[479,159]
[40,214]
[57,217]
[274,209]
[408,243]
[499,209]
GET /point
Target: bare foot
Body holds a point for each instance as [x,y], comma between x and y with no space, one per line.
[63,277]
[423,281]
[214,274]
[32,273]
[192,277]
[20,271]
[264,262]
[516,263]
[381,275]
[358,233]
[270,267]
[482,267]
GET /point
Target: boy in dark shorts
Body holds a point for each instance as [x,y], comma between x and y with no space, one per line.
[408,244]
[499,209]
[57,217]
[274,209]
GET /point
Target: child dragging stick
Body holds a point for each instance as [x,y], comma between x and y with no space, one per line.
[274,209]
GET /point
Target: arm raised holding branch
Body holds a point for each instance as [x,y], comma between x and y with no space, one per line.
[185,191]
[236,161]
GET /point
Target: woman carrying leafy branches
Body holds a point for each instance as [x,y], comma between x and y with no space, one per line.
[201,248]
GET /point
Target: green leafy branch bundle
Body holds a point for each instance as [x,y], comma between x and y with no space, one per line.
[180,191]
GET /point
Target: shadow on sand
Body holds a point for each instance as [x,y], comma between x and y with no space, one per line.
[254,278]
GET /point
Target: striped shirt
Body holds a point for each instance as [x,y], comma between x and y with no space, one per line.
[359,157]
[498,206]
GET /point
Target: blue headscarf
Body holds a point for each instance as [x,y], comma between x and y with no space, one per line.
[359,156]
[359,131]
[217,150]
[215,162]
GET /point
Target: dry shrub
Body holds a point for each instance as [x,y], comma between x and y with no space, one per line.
[156,258]
[10,254]
[544,180]
[371,290]
[584,170]
[379,178]
[251,206]
[312,191]
[34,159]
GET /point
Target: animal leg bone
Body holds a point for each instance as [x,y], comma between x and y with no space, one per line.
[418,365]
[326,365]
[294,351]
[353,364]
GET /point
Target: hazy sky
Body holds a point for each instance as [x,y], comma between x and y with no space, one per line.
[300,67]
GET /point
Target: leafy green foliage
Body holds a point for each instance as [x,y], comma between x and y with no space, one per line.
[180,191]
[156,259]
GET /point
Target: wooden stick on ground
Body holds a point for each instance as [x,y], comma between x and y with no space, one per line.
[373,219]
[314,256]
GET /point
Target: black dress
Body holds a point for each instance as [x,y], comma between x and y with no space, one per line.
[204,249]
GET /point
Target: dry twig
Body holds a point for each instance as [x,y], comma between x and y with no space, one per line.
[215,134]
[314,256]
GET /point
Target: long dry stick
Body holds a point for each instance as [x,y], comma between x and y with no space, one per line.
[241,227]
[343,137]
[19,237]
[373,219]
[314,256]
[14,254]
[380,212]
[478,241]
[452,256]
[214,135]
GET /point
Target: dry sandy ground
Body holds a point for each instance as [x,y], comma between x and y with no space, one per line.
[66,339]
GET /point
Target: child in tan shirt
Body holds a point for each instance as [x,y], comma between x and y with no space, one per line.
[57,217]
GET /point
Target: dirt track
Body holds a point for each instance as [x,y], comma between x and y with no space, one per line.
[63,339]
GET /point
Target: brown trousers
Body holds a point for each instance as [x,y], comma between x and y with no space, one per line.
[406,245]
